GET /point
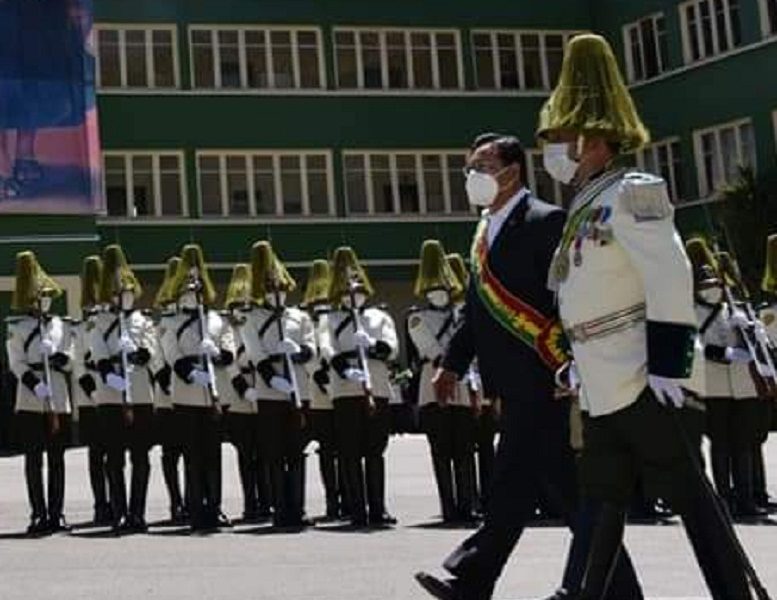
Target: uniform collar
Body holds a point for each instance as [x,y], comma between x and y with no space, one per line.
[509,206]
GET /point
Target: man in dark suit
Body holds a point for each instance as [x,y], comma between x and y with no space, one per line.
[510,325]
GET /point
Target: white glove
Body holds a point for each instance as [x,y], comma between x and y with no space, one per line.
[116,382]
[201,378]
[667,390]
[42,391]
[47,347]
[354,375]
[287,346]
[251,395]
[281,384]
[568,377]
[739,319]
[126,345]
[737,355]
[363,340]
[209,348]
[760,334]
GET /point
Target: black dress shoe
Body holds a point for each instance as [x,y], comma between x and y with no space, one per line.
[560,595]
[38,526]
[58,524]
[222,520]
[102,516]
[136,524]
[382,520]
[438,588]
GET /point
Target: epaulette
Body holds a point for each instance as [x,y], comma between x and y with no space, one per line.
[382,306]
[645,196]
[147,312]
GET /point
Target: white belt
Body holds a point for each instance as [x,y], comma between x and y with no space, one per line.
[606,325]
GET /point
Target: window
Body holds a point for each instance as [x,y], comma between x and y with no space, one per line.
[255,183]
[543,185]
[144,184]
[769,17]
[256,58]
[647,54]
[518,60]
[405,182]
[663,159]
[137,56]
[397,59]
[710,27]
[720,152]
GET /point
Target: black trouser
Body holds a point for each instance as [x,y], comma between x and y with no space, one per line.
[322,422]
[172,451]
[649,440]
[533,455]
[362,439]
[242,428]
[35,436]
[281,439]
[484,446]
[450,431]
[201,434]
[89,435]
[136,434]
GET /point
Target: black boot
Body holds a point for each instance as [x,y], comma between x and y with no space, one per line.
[744,494]
[56,481]
[263,489]
[328,469]
[170,458]
[376,492]
[247,471]
[485,472]
[721,470]
[138,492]
[33,476]
[295,494]
[345,500]
[118,494]
[464,467]
[760,492]
[604,552]
[444,479]
[278,487]
[354,484]
[99,482]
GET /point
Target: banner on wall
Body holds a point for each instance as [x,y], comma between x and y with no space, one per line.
[49,141]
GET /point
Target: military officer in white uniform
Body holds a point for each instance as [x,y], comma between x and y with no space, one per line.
[84,386]
[450,429]
[279,343]
[634,346]
[359,342]
[39,350]
[768,315]
[193,341]
[125,348]
[322,424]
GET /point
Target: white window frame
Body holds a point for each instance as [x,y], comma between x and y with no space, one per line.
[156,171]
[566,35]
[699,33]
[148,28]
[766,30]
[418,154]
[408,32]
[704,191]
[652,148]
[241,30]
[627,46]
[275,155]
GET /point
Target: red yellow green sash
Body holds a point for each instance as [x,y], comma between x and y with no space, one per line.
[522,320]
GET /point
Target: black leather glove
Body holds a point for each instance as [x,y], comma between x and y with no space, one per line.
[139,358]
[87,384]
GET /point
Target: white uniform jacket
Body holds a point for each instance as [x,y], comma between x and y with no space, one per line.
[320,378]
[235,374]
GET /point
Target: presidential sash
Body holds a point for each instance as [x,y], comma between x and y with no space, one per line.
[545,336]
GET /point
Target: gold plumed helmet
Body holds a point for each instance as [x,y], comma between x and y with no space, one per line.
[459,268]
[267,269]
[345,268]
[164,295]
[32,283]
[91,277]
[728,269]
[239,288]
[703,263]
[769,281]
[192,269]
[319,280]
[434,273]
[592,98]
[117,276]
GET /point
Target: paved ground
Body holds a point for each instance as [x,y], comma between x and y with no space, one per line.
[324,564]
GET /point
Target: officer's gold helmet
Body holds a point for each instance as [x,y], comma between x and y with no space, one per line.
[346,272]
[459,268]
[239,288]
[117,276]
[319,280]
[434,273]
[703,263]
[32,283]
[91,277]
[164,294]
[268,273]
[192,272]
[769,281]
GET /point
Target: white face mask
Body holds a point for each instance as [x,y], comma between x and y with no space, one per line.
[359,297]
[438,298]
[482,188]
[555,158]
[188,300]
[271,299]
[45,304]
[127,300]
[712,295]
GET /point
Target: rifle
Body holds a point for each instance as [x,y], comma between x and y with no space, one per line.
[289,362]
[53,416]
[364,365]
[207,362]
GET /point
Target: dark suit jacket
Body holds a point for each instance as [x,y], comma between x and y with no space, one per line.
[520,259]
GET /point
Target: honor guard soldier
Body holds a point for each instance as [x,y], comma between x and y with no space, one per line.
[125,349]
[86,379]
[634,346]
[279,342]
[192,346]
[39,350]
[360,340]
[486,416]
[167,433]
[768,314]
[322,423]
[450,428]
[236,380]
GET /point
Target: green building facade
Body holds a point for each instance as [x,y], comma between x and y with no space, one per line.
[316,123]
